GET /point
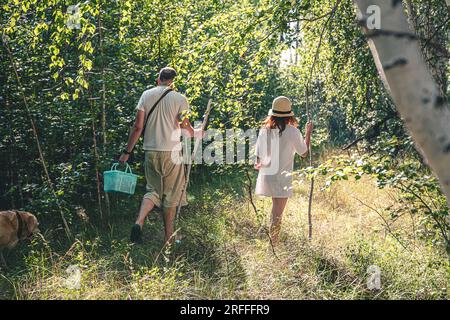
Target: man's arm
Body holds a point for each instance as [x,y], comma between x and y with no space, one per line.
[186,128]
[134,135]
[188,131]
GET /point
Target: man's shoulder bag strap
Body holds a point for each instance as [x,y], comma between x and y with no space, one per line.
[153,108]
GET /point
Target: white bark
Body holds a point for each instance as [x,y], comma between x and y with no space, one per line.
[433,38]
[397,56]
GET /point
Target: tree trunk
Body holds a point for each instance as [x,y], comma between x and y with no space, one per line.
[96,157]
[36,137]
[100,44]
[433,37]
[425,112]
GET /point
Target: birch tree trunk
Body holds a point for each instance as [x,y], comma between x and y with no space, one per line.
[424,111]
[433,37]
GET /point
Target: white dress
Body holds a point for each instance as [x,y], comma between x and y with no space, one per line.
[276,153]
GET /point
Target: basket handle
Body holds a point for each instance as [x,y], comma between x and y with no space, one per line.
[127,169]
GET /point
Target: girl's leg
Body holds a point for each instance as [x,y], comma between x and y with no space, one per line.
[278,205]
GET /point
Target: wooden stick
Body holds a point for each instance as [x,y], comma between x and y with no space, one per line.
[308,112]
[189,165]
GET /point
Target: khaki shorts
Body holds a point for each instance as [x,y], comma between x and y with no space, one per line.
[165,179]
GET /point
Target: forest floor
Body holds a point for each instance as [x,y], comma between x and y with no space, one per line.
[225,253]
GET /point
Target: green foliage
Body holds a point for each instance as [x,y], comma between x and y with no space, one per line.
[82,86]
[419,188]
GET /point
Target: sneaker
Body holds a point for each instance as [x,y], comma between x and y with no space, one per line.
[136,234]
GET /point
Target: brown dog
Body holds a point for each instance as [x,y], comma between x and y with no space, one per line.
[15,226]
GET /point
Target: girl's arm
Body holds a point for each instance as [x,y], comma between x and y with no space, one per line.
[258,163]
[309,127]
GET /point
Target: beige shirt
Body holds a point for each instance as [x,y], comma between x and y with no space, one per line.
[163,131]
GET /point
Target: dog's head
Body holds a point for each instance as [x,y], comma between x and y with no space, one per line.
[31,224]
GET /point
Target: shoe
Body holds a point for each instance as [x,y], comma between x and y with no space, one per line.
[136,234]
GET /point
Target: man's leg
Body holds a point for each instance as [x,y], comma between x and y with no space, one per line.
[169,219]
[278,205]
[151,199]
[147,206]
[136,231]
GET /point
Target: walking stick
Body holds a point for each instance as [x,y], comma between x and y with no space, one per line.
[308,111]
[189,164]
[311,187]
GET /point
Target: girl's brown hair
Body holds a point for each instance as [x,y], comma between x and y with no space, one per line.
[279,123]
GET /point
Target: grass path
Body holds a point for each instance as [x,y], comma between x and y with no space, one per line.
[225,253]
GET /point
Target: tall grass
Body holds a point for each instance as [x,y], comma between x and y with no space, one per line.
[225,254]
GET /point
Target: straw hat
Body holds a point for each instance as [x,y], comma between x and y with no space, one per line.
[281,107]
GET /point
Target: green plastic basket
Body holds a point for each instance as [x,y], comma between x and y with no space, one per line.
[119,181]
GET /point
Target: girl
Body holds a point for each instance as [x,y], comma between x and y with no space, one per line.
[278,142]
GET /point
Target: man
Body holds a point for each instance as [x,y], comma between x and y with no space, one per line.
[165,176]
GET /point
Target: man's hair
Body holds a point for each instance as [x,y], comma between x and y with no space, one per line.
[166,74]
